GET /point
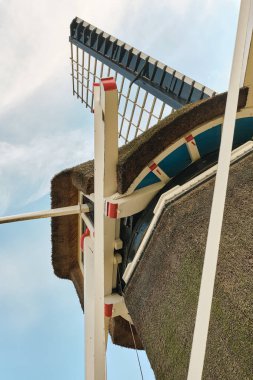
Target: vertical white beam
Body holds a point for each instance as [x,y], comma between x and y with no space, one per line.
[217,211]
[106,157]
[89,285]
[99,335]
[109,103]
[89,307]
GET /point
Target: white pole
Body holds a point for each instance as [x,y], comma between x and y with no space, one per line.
[213,239]
[63,211]
[106,157]
[89,310]
[99,335]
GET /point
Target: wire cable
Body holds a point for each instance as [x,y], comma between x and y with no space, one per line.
[138,358]
[131,329]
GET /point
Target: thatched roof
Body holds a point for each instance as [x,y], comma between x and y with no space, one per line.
[132,159]
[162,295]
[145,147]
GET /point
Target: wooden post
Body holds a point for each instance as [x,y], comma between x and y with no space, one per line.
[88,263]
[106,158]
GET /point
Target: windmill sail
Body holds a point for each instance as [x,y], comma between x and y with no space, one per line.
[148,89]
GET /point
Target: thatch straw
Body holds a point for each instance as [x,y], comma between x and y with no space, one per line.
[163,292]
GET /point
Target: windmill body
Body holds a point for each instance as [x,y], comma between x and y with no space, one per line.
[105,213]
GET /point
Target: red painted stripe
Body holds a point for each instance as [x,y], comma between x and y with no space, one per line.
[108,310]
[109,84]
[112,210]
[95,84]
[84,235]
[189,138]
[152,166]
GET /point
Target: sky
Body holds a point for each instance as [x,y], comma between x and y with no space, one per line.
[44,129]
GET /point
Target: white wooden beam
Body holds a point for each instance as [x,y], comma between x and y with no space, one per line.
[89,316]
[62,211]
[106,158]
[98,361]
[214,232]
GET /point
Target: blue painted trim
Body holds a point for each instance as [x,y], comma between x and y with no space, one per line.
[207,142]
[176,161]
[150,179]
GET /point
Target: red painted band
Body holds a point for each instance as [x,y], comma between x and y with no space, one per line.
[152,166]
[108,310]
[189,138]
[95,84]
[112,210]
[109,84]
[84,235]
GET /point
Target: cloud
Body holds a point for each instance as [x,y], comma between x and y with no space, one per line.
[194,37]
[26,169]
[34,37]
[34,41]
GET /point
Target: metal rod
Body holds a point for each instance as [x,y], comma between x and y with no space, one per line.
[141,113]
[94,80]
[161,111]
[124,112]
[88,79]
[77,72]
[132,113]
[63,211]
[121,88]
[72,68]
[151,112]
[82,74]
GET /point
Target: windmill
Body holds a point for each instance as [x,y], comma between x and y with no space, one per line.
[92,52]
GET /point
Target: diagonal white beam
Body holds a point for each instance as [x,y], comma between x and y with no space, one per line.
[214,232]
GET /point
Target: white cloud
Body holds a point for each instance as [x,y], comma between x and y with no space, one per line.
[34,40]
[34,36]
[26,169]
